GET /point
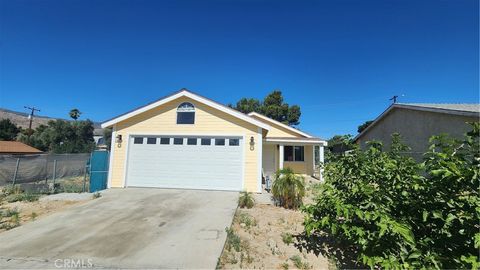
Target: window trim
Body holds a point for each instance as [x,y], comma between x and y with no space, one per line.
[293,153]
[183,109]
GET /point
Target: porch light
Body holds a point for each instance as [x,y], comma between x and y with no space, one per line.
[252,143]
[118,139]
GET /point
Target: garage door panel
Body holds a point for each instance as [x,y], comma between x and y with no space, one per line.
[185,166]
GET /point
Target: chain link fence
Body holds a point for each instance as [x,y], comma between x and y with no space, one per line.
[67,171]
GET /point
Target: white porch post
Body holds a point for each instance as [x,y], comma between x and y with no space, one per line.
[321,159]
[280,161]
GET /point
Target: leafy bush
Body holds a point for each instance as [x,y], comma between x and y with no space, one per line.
[288,188]
[246,200]
[400,214]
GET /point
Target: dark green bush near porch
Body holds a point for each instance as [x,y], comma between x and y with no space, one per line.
[393,212]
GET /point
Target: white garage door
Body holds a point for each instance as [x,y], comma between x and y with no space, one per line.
[195,162]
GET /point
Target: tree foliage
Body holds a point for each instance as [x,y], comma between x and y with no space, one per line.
[399,213]
[62,136]
[273,106]
[8,130]
[107,136]
[288,189]
[363,126]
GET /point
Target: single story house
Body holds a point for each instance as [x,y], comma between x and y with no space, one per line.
[188,141]
[17,148]
[417,122]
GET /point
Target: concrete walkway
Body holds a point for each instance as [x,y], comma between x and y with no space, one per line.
[126,228]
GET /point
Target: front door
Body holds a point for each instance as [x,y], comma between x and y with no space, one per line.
[268,159]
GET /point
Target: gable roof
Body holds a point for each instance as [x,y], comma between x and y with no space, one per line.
[463,109]
[13,147]
[275,122]
[185,93]
[448,107]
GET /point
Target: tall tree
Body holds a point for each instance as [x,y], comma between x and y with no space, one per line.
[75,114]
[247,105]
[8,130]
[272,106]
[363,126]
[63,137]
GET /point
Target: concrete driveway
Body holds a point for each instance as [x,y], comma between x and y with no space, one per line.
[126,228]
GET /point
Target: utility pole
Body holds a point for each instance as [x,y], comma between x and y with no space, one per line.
[30,116]
[394,99]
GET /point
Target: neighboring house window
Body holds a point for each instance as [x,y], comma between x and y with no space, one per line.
[164,140]
[186,113]
[206,141]
[101,141]
[138,140]
[177,140]
[151,140]
[293,153]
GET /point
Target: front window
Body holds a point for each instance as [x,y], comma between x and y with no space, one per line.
[186,113]
[293,153]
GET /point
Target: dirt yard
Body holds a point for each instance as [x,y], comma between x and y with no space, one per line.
[263,237]
[14,214]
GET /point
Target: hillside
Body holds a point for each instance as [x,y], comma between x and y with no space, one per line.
[21,119]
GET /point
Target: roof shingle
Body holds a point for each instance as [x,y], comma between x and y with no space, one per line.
[12,147]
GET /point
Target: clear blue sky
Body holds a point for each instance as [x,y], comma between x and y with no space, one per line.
[339,60]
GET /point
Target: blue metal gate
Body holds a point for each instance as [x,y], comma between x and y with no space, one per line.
[99,170]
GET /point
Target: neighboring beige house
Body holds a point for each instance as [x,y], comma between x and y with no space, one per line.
[417,122]
[188,141]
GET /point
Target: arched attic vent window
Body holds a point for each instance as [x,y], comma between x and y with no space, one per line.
[186,113]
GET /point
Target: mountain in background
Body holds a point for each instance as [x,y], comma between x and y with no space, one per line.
[21,120]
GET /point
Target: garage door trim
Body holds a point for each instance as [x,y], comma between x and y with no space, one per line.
[171,134]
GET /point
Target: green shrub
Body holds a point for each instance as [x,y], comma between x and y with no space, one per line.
[287,238]
[299,264]
[29,197]
[244,218]
[397,213]
[12,189]
[288,188]
[9,219]
[233,240]
[246,200]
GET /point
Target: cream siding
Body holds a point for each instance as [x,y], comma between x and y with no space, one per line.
[277,130]
[208,121]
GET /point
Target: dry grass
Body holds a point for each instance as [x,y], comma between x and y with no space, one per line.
[266,235]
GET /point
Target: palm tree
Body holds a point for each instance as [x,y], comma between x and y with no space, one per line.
[288,188]
[75,114]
